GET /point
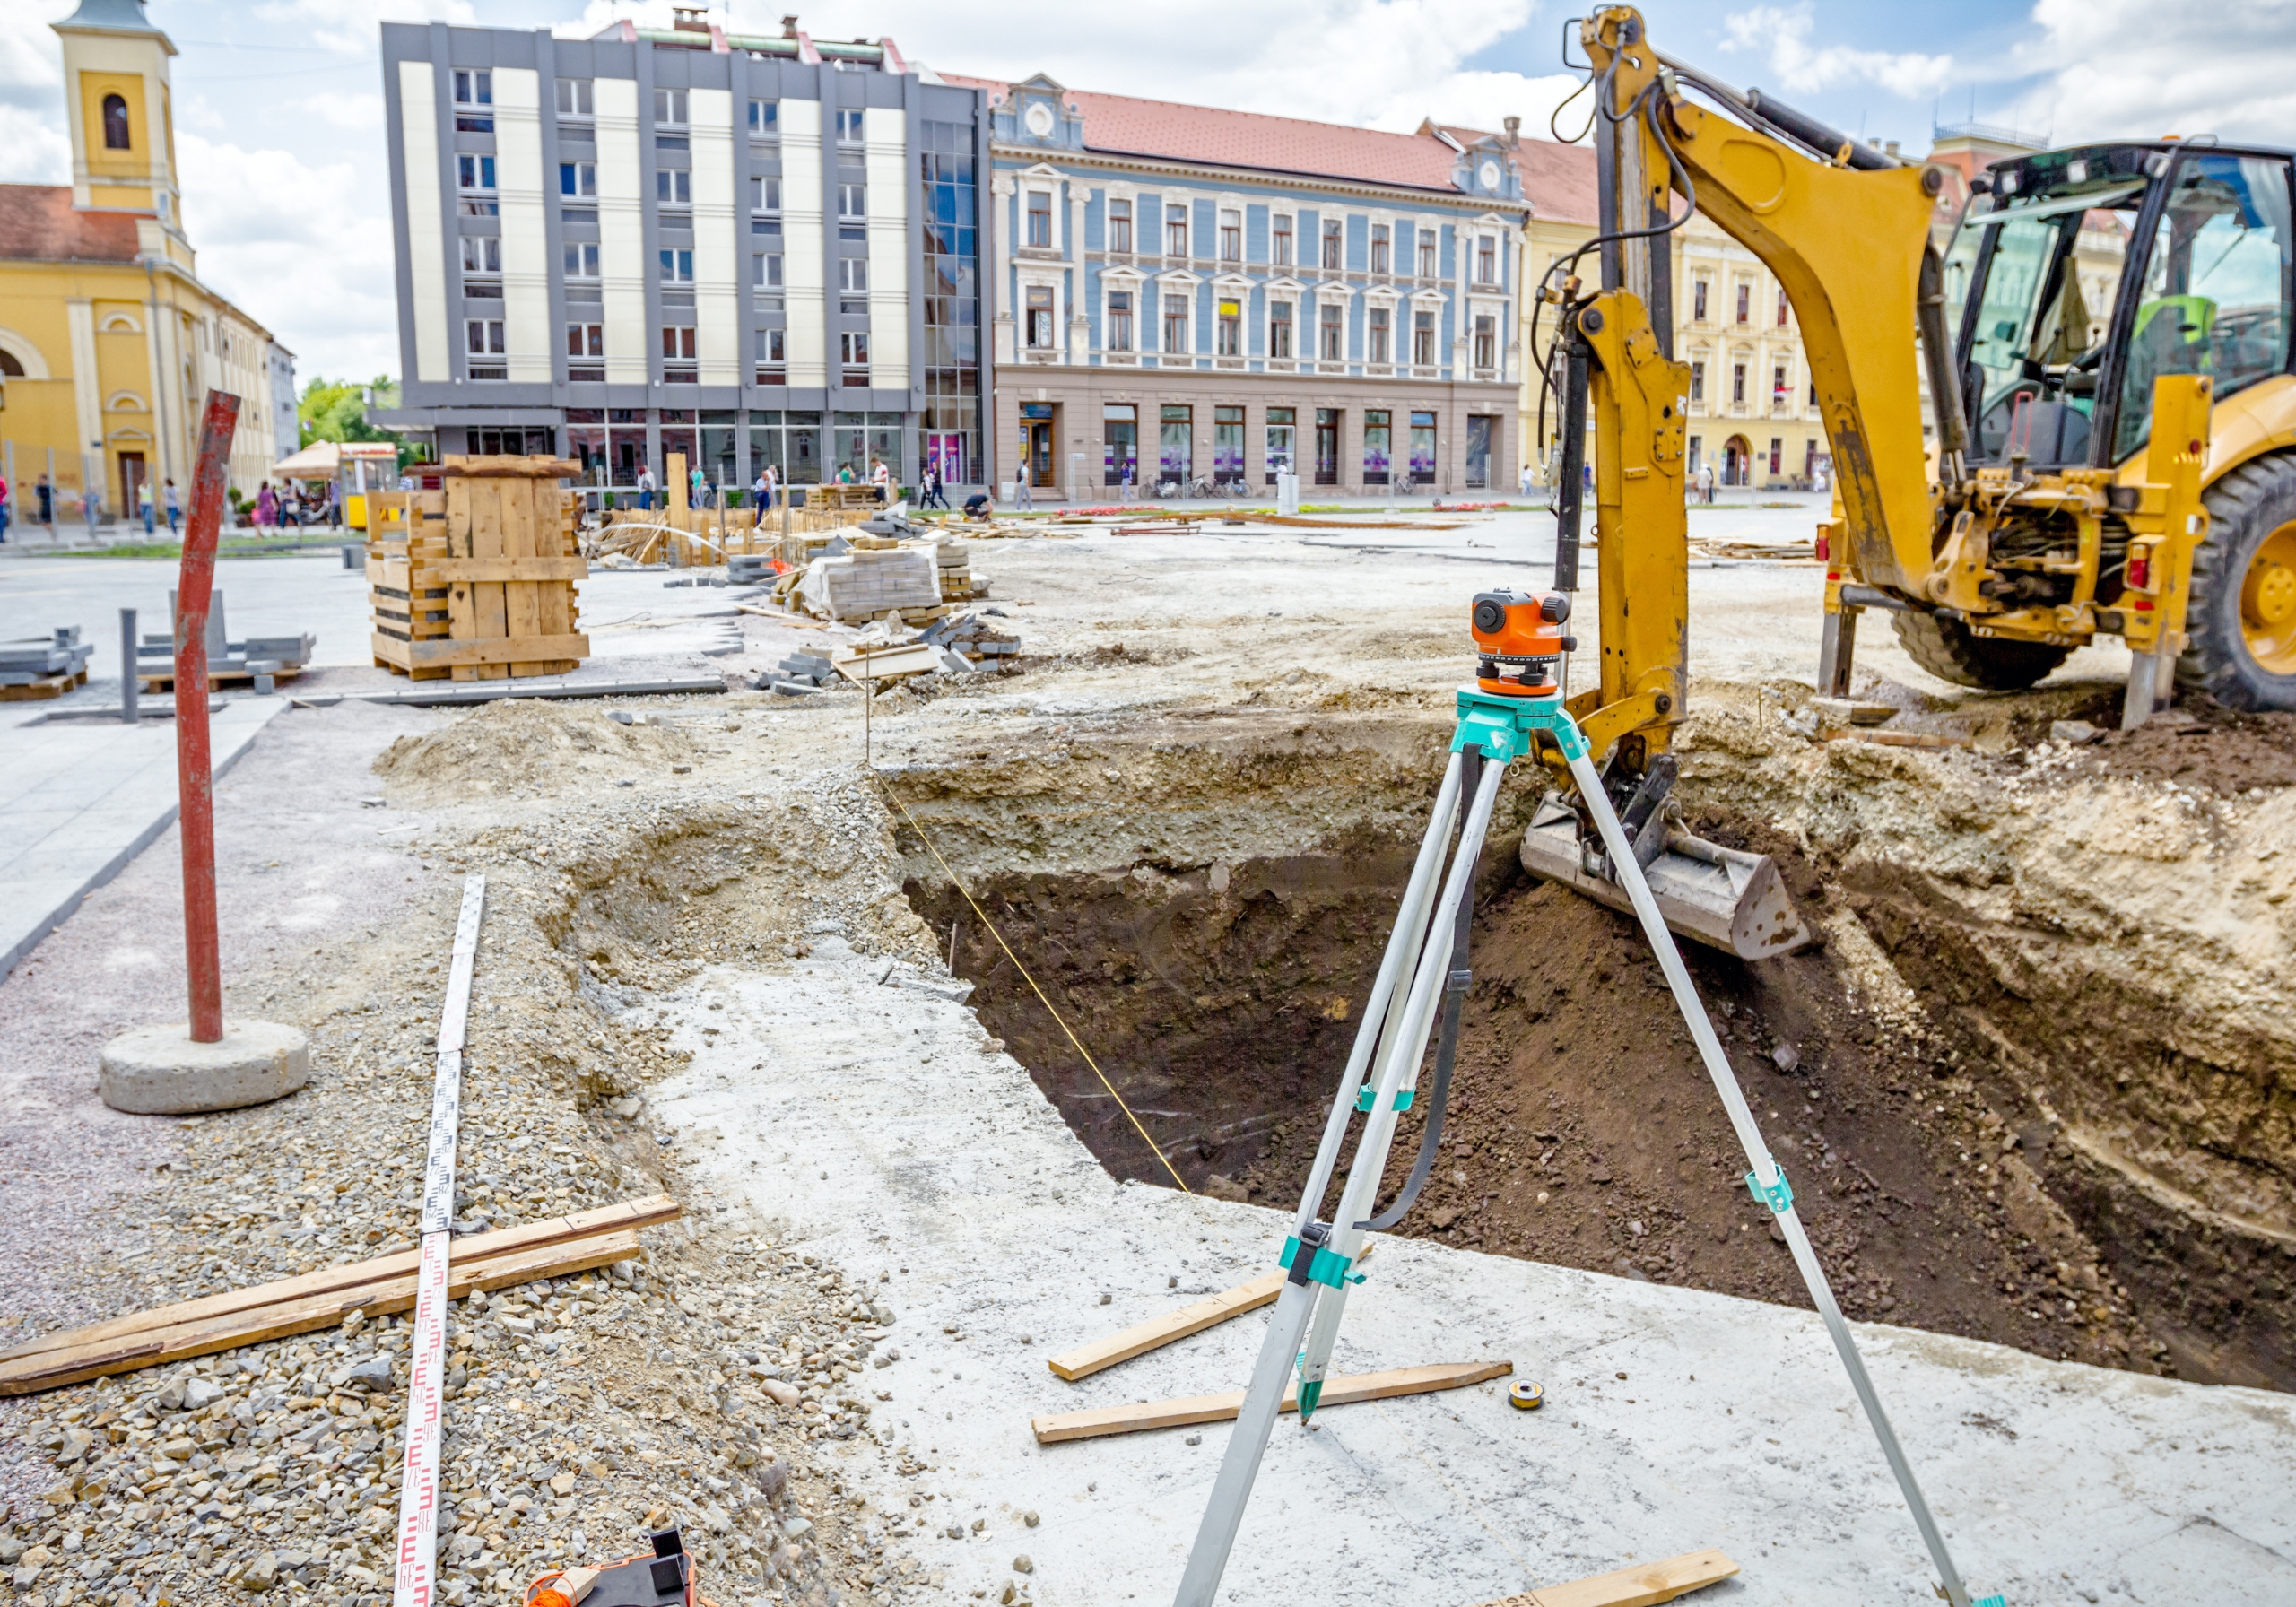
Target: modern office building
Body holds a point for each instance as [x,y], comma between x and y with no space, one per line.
[747,249]
[1185,294]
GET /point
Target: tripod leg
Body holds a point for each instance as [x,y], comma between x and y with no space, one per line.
[1767,1181]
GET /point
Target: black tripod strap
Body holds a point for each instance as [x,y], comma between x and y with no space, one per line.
[1454,993]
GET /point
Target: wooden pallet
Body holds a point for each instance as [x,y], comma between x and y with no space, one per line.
[43,687]
[475,582]
[164,681]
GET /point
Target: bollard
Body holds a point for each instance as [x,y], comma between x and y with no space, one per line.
[129,686]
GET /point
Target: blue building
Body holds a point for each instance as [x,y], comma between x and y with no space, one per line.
[1182,293]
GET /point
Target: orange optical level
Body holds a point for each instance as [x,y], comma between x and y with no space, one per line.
[1519,637]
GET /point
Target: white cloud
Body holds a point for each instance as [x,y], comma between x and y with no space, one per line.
[1781,36]
[2116,69]
[353,27]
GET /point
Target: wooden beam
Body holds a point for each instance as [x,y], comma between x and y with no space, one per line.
[466,652]
[1160,1331]
[1056,1427]
[512,468]
[468,1249]
[155,1347]
[1637,1586]
[510,568]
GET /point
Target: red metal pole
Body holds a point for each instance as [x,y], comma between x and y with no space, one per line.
[194,767]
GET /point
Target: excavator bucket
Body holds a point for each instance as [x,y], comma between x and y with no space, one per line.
[1724,898]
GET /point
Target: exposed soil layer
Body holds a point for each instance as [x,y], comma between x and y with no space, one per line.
[2200,744]
[1583,1130]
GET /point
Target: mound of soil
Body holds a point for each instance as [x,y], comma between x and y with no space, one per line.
[523,744]
[2199,744]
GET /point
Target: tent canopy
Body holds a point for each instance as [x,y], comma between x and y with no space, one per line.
[317,461]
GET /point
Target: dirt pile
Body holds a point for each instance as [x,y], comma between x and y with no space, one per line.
[522,747]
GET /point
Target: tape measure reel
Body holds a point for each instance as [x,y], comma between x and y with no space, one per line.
[1525,1396]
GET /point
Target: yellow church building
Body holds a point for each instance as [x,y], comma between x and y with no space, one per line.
[108,340]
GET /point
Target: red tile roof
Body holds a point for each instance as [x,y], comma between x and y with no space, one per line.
[38,224]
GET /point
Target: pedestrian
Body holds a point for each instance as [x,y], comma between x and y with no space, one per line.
[844,474]
[760,496]
[175,505]
[882,478]
[935,487]
[697,486]
[1524,480]
[7,508]
[1023,495]
[646,488]
[143,504]
[45,494]
[977,506]
[266,505]
[91,508]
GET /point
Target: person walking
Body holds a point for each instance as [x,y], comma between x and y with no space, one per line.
[696,486]
[933,489]
[266,505]
[646,488]
[143,505]
[7,508]
[174,504]
[91,508]
[882,478]
[1024,494]
[44,495]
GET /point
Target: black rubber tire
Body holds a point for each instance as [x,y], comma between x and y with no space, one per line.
[2244,507]
[1946,649]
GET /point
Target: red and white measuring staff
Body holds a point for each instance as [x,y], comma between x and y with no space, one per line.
[417,1584]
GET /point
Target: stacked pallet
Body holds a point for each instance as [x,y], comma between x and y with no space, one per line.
[496,546]
[261,660]
[44,666]
[554,1248]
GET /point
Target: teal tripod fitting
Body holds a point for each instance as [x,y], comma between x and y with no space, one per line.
[1326,1267]
[1366,1096]
[1779,1196]
[1509,728]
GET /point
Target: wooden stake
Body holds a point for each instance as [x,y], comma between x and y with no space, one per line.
[1056,1427]
[1160,1331]
[1641,1586]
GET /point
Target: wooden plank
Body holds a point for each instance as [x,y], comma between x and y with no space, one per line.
[511,568]
[521,538]
[510,468]
[159,1345]
[1054,1428]
[489,613]
[1160,1331]
[498,650]
[1641,1586]
[624,1216]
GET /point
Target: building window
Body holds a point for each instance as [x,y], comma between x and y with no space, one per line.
[483,337]
[481,254]
[1039,235]
[853,275]
[765,194]
[1335,244]
[475,179]
[1279,330]
[1781,307]
[1119,443]
[765,271]
[677,267]
[848,125]
[852,201]
[1378,247]
[772,356]
[1120,228]
[584,341]
[578,178]
[765,118]
[1737,382]
[1327,446]
[677,342]
[1332,335]
[669,109]
[1119,321]
[1283,441]
[1698,300]
[116,122]
[1378,445]
[1486,341]
[1427,254]
[1176,231]
[1745,304]
[1232,234]
[1422,339]
[1486,262]
[1174,444]
[1377,330]
[673,186]
[1229,335]
[853,354]
[1813,392]
[1697,450]
[574,99]
[1176,324]
[582,259]
[474,91]
[1227,446]
[1779,396]
[1777,454]
[1280,241]
[1698,379]
[1039,318]
[1423,449]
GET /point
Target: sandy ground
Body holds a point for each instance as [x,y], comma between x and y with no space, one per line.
[730,856]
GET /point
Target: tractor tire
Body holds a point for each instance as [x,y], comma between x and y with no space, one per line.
[1947,650]
[2241,619]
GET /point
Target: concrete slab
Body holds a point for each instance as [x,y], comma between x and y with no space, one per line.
[877,1125]
[78,800]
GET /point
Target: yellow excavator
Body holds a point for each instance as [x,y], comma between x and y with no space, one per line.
[2107,444]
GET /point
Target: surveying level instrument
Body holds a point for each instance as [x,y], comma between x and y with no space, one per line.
[1514,711]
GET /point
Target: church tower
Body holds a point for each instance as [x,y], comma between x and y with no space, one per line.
[116,97]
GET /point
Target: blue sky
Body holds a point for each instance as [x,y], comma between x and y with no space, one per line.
[280,109]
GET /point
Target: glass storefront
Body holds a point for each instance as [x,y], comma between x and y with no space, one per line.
[1283,431]
[626,443]
[717,432]
[1227,445]
[849,447]
[1327,446]
[680,439]
[791,442]
[1478,430]
[1423,449]
[1176,446]
[1378,446]
[1119,444]
[586,442]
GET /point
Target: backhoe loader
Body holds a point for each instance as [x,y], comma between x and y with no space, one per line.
[2103,336]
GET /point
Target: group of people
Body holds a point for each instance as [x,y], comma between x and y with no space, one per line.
[280,508]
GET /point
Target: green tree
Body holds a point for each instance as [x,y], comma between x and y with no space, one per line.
[335,410]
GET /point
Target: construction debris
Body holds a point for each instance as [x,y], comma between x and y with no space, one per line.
[1054,1428]
[44,666]
[1642,1585]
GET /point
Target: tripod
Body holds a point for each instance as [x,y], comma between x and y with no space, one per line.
[1500,720]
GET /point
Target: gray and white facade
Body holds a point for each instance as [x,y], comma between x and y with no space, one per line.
[747,249]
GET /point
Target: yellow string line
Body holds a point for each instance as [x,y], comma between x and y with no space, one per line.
[1464,1496]
[1031,981]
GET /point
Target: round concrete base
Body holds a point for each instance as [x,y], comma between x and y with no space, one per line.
[159,1071]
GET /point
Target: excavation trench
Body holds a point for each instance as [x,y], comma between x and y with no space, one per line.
[1221,997]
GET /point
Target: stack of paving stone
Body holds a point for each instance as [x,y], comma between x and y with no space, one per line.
[44,666]
[795,675]
[953,561]
[973,638]
[870,584]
